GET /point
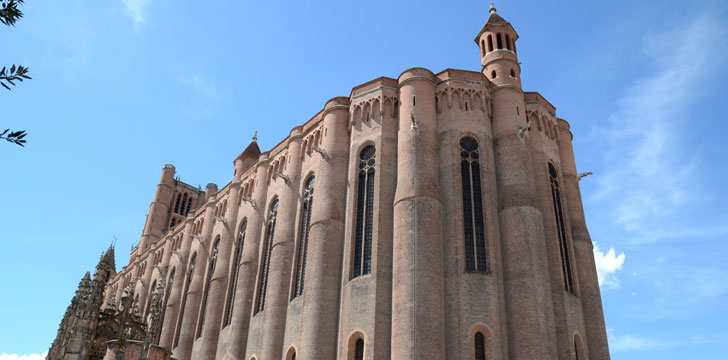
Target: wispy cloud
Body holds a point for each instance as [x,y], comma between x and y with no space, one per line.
[201,86]
[649,166]
[628,342]
[607,265]
[651,184]
[135,8]
[5,356]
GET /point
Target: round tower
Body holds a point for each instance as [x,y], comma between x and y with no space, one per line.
[159,209]
[497,42]
[417,289]
[525,268]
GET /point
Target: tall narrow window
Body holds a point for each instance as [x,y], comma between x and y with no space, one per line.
[167,292]
[364,213]
[490,43]
[268,246]
[210,272]
[149,298]
[475,254]
[499,40]
[303,237]
[234,275]
[176,204]
[184,204]
[479,346]
[189,205]
[190,273]
[563,245]
[359,350]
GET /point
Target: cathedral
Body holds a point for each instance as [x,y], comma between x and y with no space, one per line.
[431,216]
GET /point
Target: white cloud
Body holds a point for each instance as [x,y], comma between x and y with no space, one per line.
[649,170]
[607,265]
[135,8]
[201,86]
[627,342]
[5,356]
[631,343]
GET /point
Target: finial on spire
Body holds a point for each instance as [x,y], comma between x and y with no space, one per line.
[255,136]
[492,8]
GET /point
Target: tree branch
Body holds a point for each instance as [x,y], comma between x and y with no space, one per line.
[15,137]
[9,12]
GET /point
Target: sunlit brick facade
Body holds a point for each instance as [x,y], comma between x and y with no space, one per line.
[432,216]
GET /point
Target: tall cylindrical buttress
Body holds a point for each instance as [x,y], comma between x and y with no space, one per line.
[243,303]
[279,280]
[218,282]
[191,310]
[323,266]
[158,210]
[417,286]
[591,300]
[525,264]
[172,311]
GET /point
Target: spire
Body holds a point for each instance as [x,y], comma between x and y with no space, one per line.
[107,261]
[492,8]
[255,136]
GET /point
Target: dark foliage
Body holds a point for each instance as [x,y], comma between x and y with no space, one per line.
[9,12]
[16,73]
[14,137]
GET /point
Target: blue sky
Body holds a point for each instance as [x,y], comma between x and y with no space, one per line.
[122,87]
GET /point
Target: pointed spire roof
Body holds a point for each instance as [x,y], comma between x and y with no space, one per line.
[494,19]
[252,151]
[107,261]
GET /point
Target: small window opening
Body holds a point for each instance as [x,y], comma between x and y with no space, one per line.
[513,73]
[492,74]
[414,102]
[479,346]
[359,350]
[466,106]
[518,111]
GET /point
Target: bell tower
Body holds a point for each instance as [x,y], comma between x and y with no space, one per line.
[497,42]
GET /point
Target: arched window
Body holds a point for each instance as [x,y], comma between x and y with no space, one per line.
[475,252]
[561,229]
[303,237]
[492,74]
[513,73]
[190,273]
[234,275]
[364,213]
[578,348]
[167,292]
[268,246]
[479,346]
[499,39]
[359,350]
[508,42]
[176,204]
[189,206]
[149,299]
[490,43]
[184,204]
[210,272]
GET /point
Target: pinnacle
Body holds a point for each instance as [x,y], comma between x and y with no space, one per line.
[252,149]
[107,261]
